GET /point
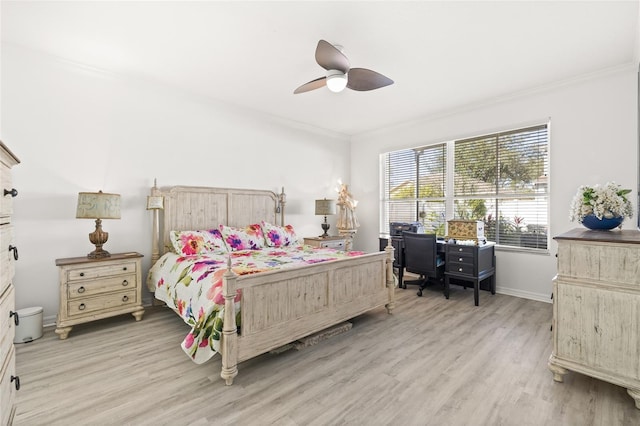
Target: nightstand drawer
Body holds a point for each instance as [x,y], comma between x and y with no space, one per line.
[338,245]
[90,288]
[100,303]
[90,272]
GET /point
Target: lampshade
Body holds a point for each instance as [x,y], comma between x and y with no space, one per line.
[98,205]
[325,207]
[336,80]
[155,202]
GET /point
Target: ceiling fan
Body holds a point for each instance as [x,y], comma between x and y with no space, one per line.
[340,74]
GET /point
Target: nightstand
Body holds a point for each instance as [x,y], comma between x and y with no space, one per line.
[92,289]
[336,242]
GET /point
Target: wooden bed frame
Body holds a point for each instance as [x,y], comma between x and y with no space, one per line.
[277,307]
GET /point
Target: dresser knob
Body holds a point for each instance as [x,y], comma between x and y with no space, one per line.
[81,290]
[125,283]
[81,307]
[16,317]
[124,269]
[12,191]
[125,298]
[82,274]
[17,380]
[15,251]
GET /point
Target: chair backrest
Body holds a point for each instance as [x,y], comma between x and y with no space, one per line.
[420,253]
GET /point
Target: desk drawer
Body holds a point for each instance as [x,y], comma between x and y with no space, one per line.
[460,268]
[454,249]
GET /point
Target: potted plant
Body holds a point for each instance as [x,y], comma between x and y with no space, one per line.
[601,206]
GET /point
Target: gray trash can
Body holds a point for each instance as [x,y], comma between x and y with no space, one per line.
[30,326]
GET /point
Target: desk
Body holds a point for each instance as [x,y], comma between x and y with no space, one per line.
[462,263]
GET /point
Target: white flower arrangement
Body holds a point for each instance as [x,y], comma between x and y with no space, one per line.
[606,201]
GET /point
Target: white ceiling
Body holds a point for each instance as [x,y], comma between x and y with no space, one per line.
[442,55]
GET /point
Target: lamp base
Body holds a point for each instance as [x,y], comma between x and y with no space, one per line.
[98,254]
[325,228]
[98,238]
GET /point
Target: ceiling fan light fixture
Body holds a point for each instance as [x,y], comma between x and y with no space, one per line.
[336,80]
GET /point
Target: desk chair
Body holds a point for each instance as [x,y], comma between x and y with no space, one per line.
[421,257]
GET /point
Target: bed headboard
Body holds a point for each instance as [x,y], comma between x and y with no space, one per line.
[200,208]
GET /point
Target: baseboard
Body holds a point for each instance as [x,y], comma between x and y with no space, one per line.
[540,297]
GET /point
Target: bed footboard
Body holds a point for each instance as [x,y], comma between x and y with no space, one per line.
[280,307]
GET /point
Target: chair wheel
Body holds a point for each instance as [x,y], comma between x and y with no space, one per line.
[419,293]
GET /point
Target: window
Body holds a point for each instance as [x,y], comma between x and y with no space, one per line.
[500,178]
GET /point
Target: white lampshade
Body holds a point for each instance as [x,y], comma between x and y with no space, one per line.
[336,80]
[98,205]
[325,207]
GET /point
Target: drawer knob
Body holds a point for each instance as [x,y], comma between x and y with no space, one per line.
[82,306]
[82,274]
[13,192]
[17,380]
[16,317]
[14,249]
[81,289]
[125,298]
[459,269]
[460,249]
[125,283]
[124,268]
[460,260]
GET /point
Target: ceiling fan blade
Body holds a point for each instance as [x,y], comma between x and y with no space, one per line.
[362,79]
[330,58]
[312,85]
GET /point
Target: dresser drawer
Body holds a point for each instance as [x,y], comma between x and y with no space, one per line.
[7,387]
[6,201]
[7,325]
[7,261]
[90,272]
[106,285]
[83,306]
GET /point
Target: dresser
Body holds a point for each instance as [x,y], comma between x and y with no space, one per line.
[9,380]
[92,289]
[596,307]
[470,263]
[338,243]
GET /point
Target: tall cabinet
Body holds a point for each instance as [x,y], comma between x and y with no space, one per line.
[596,307]
[9,381]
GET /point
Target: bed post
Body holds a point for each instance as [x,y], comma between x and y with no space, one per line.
[229,339]
[391,285]
[282,200]
[155,204]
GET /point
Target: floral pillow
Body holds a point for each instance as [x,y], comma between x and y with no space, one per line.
[279,236]
[192,243]
[247,238]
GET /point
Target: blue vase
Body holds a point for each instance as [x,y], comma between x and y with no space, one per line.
[592,222]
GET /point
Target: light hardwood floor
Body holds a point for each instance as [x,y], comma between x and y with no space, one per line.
[432,362]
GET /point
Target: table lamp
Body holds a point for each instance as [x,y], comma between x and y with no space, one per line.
[324,208]
[98,206]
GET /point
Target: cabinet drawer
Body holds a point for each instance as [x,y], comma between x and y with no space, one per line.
[7,261]
[83,306]
[106,285]
[464,258]
[90,272]
[6,201]
[454,249]
[7,325]
[459,268]
[7,387]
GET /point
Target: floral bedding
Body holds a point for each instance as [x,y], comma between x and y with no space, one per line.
[192,286]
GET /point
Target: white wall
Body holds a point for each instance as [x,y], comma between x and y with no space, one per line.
[78,129]
[593,140]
